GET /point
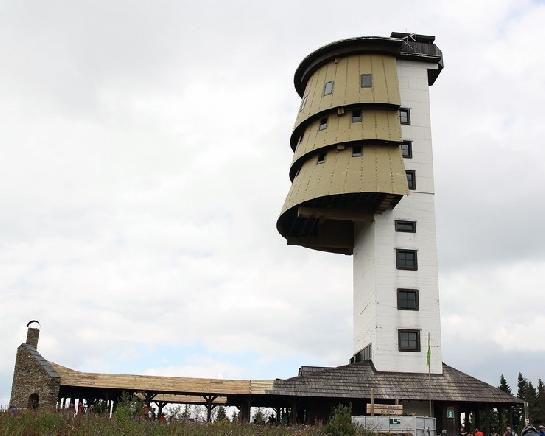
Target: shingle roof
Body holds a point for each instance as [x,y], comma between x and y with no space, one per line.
[356,381]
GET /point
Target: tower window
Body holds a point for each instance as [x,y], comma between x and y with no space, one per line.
[357,150]
[321,157]
[408,340]
[407,149]
[366,80]
[405,226]
[411,179]
[406,259]
[362,355]
[356,116]
[303,102]
[323,124]
[404,116]
[407,299]
[328,87]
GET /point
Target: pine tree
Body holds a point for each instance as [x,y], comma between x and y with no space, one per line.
[521,385]
[221,415]
[504,386]
[531,398]
[540,403]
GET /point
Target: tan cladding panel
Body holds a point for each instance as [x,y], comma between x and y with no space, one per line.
[347,88]
[375,124]
[379,169]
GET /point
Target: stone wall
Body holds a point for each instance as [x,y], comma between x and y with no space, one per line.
[33,375]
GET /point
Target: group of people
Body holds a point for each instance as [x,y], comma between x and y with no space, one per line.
[529,430]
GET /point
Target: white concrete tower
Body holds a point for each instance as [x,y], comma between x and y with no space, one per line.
[362,184]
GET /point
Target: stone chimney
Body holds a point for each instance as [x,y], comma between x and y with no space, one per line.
[33,334]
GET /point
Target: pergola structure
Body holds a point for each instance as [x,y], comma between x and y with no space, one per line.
[307,398]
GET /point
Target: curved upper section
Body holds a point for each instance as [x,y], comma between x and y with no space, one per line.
[353,125]
[333,190]
[338,83]
[400,45]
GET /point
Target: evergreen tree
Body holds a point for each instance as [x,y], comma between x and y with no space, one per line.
[531,398]
[540,403]
[504,386]
[221,415]
[521,385]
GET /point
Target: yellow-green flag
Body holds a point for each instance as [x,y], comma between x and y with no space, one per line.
[428,354]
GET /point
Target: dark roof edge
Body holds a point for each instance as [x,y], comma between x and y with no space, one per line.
[401,45]
[43,363]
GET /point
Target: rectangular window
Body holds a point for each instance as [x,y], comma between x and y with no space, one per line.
[409,340]
[411,179]
[321,157]
[356,116]
[404,116]
[407,299]
[328,87]
[366,80]
[357,150]
[323,124]
[406,259]
[405,226]
[407,149]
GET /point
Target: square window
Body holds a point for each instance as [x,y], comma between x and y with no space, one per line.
[407,149]
[366,80]
[409,340]
[321,157]
[357,150]
[328,87]
[407,299]
[406,259]
[411,179]
[404,116]
[356,116]
[405,226]
[323,124]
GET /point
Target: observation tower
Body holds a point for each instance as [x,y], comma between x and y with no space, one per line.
[362,185]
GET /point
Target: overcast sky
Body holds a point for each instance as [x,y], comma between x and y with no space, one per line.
[144,155]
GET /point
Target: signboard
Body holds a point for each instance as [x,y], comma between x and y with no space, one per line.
[385,409]
[450,412]
[395,421]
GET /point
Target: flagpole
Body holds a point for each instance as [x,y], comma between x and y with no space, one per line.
[429,370]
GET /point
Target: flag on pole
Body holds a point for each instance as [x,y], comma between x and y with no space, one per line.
[428,354]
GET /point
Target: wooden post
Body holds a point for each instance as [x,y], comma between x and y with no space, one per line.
[294,412]
[372,401]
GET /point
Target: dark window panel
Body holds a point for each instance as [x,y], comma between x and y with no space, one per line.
[404,116]
[357,150]
[407,299]
[366,80]
[411,179]
[321,157]
[409,340]
[405,226]
[407,149]
[323,124]
[328,87]
[406,259]
[356,116]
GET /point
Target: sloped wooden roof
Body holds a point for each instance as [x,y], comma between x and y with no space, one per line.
[357,380]
[148,383]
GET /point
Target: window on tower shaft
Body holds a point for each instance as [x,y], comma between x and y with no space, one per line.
[407,299]
[405,226]
[411,179]
[404,116]
[328,87]
[323,124]
[406,259]
[407,149]
[366,80]
[409,340]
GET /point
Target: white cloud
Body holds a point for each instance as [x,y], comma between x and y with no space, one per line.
[144,155]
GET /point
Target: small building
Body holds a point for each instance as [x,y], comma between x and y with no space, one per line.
[309,397]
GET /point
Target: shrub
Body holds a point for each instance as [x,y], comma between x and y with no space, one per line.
[340,424]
